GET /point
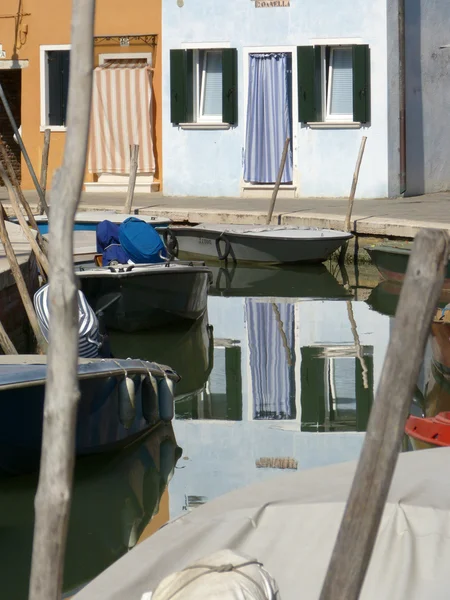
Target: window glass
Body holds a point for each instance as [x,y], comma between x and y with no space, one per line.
[341,83]
[211,85]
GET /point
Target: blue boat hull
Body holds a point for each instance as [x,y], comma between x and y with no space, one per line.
[99,424]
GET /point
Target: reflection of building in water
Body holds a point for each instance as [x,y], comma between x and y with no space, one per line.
[337,388]
[320,390]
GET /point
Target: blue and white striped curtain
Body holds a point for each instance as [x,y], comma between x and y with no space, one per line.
[272,358]
[269,117]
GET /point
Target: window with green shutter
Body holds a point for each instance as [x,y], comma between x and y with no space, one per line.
[334,84]
[58,66]
[203,86]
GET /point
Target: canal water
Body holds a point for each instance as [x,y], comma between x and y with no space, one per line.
[279,375]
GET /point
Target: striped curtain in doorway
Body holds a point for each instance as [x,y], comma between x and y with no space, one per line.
[121,117]
[269,117]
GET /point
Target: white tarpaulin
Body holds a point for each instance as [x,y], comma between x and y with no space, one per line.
[290,525]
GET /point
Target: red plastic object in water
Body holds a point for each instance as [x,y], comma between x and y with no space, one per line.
[433,430]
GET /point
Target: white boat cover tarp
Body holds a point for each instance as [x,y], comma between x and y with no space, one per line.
[290,525]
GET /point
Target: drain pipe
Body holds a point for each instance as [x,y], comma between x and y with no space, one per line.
[402,95]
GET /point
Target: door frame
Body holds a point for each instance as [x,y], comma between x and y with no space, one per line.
[246,51]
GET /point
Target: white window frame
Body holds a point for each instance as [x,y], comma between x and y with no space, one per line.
[348,118]
[102,58]
[204,123]
[245,185]
[200,59]
[43,84]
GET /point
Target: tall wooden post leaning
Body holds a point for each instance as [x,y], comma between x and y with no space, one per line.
[416,308]
[134,160]
[40,256]
[351,198]
[278,181]
[15,183]
[44,168]
[52,502]
[21,284]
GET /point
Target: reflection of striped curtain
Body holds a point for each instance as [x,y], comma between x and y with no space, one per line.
[272,359]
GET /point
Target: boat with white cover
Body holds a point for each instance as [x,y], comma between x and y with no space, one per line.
[289,524]
[271,244]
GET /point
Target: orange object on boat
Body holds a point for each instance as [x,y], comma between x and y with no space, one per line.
[433,430]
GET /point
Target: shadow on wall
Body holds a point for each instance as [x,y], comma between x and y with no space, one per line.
[415,152]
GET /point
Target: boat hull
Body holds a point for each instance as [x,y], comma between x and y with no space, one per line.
[88,220]
[392,262]
[147,299]
[105,421]
[257,246]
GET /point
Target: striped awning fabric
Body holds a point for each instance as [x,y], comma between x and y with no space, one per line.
[121,117]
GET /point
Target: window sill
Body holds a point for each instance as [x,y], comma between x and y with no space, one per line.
[334,125]
[204,126]
[53,128]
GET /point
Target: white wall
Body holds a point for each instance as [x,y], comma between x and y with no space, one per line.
[209,163]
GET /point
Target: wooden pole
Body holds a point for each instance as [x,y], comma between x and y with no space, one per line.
[40,256]
[23,201]
[22,148]
[278,181]
[5,341]
[416,308]
[359,351]
[134,156]
[21,285]
[53,497]
[351,198]
[44,168]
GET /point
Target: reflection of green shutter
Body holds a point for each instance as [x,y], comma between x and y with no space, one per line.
[178,86]
[306,73]
[229,86]
[233,383]
[361,83]
[313,395]
[364,396]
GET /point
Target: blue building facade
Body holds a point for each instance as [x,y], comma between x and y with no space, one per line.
[242,76]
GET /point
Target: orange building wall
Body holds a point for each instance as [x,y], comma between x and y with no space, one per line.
[49,23]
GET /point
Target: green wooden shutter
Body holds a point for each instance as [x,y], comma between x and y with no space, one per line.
[361,83]
[58,86]
[178,86]
[306,73]
[229,86]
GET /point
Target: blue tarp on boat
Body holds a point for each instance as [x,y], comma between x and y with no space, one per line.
[141,241]
[108,244]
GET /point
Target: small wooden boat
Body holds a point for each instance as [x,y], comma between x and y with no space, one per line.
[120,399]
[115,496]
[145,296]
[253,243]
[88,220]
[391,260]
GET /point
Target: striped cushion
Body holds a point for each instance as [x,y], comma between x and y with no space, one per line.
[89,335]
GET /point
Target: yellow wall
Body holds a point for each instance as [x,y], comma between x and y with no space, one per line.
[49,23]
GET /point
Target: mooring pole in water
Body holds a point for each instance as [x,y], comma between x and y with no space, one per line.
[386,427]
[23,149]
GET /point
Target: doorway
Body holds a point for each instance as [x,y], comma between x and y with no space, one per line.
[269,117]
[11,81]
